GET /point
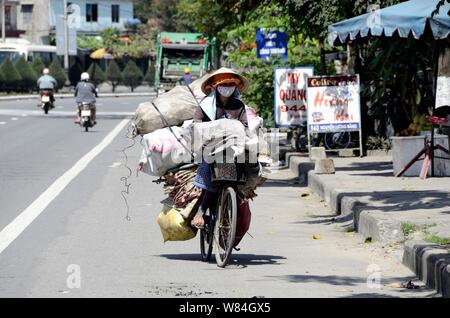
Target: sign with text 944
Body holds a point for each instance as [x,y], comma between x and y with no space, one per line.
[290,107]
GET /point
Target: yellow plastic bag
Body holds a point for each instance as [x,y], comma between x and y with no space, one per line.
[173,226]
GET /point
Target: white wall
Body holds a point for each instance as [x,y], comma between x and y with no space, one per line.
[104,13]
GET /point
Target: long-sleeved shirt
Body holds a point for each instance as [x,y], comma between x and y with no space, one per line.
[47,82]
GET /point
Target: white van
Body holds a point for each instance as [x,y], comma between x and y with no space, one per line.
[14,48]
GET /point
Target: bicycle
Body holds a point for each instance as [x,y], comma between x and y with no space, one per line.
[220,227]
[333,140]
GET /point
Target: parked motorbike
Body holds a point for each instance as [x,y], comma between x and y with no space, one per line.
[46,102]
[86,116]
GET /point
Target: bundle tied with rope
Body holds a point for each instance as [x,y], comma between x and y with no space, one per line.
[168,155]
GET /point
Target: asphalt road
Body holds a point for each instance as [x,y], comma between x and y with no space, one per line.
[80,243]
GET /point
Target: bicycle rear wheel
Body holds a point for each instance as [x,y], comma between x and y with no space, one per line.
[338,140]
[225,227]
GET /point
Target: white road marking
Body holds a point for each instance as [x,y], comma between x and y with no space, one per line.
[2,122]
[14,118]
[115,164]
[26,217]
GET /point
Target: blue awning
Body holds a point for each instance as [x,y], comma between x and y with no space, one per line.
[406,18]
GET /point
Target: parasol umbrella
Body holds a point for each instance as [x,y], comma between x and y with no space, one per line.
[404,19]
[101,54]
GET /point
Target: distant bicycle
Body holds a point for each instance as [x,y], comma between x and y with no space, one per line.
[335,140]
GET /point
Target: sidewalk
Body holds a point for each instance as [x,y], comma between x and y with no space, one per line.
[367,198]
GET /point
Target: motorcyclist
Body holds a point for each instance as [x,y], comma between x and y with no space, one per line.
[85,92]
[47,83]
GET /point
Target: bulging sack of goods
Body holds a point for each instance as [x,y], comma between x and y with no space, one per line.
[177,105]
[162,150]
[221,136]
[173,226]
[180,207]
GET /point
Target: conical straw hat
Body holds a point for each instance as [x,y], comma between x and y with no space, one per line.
[223,75]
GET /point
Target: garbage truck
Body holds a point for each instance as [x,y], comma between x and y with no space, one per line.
[176,51]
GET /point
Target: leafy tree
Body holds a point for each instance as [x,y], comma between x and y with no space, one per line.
[113,74]
[438,7]
[397,80]
[132,75]
[240,43]
[57,71]
[96,74]
[110,37]
[2,79]
[160,13]
[38,66]
[75,71]
[29,77]
[11,76]
[150,75]
[89,42]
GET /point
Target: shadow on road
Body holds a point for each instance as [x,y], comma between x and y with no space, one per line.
[236,259]
[329,280]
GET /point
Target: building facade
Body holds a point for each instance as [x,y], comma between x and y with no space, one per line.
[92,16]
[35,20]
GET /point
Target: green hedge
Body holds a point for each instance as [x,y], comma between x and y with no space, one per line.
[132,75]
[29,77]
[12,78]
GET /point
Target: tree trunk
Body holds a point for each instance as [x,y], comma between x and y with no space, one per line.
[322,66]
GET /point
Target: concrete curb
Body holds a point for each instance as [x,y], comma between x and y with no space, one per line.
[431,263]
[100,95]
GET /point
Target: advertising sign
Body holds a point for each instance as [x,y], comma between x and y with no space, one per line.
[333,103]
[271,43]
[290,95]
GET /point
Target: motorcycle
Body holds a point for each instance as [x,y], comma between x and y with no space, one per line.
[46,102]
[86,116]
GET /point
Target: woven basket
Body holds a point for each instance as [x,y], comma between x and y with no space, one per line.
[228,172]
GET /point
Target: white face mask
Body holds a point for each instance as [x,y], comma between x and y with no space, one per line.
[226,91]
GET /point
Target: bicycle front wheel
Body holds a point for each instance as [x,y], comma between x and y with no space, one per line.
[206,236]
[225,228]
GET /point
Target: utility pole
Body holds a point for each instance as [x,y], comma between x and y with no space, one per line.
[3,21]
[66,42]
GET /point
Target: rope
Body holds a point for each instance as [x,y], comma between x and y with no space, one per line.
[166,123]
[127,185]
